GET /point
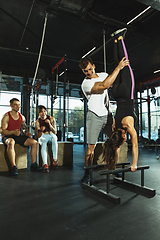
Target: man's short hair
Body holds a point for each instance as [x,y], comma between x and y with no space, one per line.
[40,107]
[13,99]
[84,62]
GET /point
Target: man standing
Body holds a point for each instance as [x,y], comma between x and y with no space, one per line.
[11,124]
[99,116]
[46,132]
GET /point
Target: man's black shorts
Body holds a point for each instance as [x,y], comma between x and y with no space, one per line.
[18,139]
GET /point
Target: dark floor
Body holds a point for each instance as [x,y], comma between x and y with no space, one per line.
[54,206]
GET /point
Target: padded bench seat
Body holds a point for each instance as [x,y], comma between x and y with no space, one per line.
[21,157]
[65,154]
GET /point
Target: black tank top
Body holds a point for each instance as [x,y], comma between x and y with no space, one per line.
[43,123]
[124,108]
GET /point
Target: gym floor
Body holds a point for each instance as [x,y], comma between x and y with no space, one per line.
[54,206]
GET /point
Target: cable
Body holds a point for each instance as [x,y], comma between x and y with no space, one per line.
[39,57]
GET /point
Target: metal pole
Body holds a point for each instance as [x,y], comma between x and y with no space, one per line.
[37,98]
[141,113]
[64,99]
[56,93]
[149,116]
[85,120]
[104,49]
[52,96]
[67,120]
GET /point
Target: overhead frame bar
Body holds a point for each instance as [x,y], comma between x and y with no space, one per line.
[57,65]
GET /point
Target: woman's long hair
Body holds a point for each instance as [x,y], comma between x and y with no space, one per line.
[110,147]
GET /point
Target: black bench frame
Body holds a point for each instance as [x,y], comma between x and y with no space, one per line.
[140,189]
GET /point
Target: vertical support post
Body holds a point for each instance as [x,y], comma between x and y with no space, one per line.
[60,115]
[21,90]
[37,98]
[28,105]
[52,96]
[104,49]
[67,115]
[26,98]
[141,113]
[85,120]
[64,98]
[149,115]
[0,83]
[91,176]
[56,91]
[123,173]
[108,183]
[0,80]
[137,113]
[142,177]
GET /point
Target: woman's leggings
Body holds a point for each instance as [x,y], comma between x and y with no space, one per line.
[123,87]
[43,140]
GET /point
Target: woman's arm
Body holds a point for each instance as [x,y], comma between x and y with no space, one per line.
[38,129]
[128,124]
[53,123]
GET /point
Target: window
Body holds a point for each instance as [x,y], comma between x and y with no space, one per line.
[154,113]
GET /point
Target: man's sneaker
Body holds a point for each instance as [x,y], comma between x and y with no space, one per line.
[54,164]
[118,175]
[120,32]
[34,167]
[14,171]
[86,179]
[45,168]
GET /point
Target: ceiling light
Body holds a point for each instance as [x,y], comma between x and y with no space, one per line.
[139,15]
[156,71]
[89,52]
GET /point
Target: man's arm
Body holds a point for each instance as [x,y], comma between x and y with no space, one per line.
[24,125]
[99,86]
[4,125]
[25,128]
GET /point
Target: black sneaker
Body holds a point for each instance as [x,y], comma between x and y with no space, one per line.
[14,171]
[86,179]
[118,33]
[34,167]
[118,175]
